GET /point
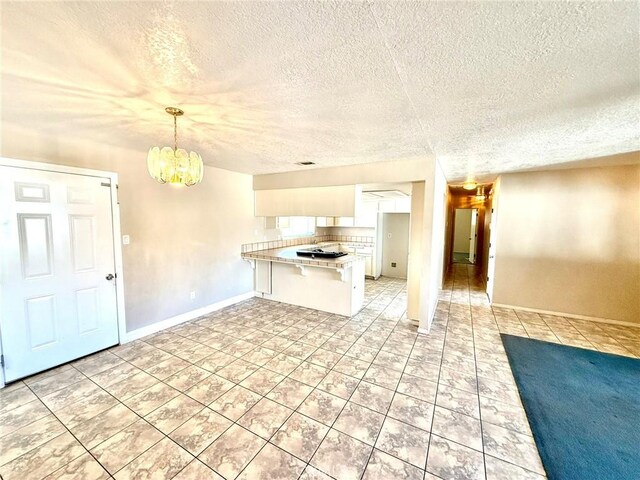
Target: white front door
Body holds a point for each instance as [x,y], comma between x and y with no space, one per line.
[57,293]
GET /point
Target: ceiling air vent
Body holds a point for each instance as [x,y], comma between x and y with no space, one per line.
[305,163]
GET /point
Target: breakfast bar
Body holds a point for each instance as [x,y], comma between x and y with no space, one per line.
[316,276]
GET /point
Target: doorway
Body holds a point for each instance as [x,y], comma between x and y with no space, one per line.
[465,236]
[395,245]
[58,276]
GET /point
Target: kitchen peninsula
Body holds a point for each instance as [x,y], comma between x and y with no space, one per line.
[333,285]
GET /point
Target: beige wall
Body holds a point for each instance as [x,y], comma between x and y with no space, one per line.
[395,249]
[379,172]
[462,230]
[569,241]
[182,239]
[415,262]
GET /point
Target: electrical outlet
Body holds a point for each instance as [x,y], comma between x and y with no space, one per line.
[393,264]
[193,295]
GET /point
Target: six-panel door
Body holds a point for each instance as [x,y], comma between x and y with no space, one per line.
[57,248]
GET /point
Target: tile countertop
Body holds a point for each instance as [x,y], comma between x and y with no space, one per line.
[288,255]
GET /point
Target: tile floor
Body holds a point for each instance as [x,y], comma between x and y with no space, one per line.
[263,390]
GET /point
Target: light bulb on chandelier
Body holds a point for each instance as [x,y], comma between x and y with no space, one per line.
[175,165]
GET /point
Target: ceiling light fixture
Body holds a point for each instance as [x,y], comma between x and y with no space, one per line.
[175,165]
[469,185]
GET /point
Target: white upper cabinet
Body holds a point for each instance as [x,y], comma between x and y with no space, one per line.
[343,222]
[337,201]
[325,222]
[368,216]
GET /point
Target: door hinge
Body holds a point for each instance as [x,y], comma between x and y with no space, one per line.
[1,360]
[487,279]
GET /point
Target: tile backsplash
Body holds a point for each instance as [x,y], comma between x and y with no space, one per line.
[292,242]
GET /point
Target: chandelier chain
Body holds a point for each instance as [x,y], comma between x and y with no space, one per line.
[175,133]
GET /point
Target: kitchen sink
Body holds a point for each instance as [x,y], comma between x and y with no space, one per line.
[319,253]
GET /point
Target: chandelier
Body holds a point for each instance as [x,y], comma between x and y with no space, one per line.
[175,165]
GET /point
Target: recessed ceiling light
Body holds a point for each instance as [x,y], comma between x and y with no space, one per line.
[305,163]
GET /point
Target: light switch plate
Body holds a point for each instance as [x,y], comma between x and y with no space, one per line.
[125,239]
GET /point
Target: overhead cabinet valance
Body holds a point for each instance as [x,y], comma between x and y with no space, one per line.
[338,201]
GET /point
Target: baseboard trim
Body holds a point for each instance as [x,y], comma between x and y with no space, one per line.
[568,315]
[185,317]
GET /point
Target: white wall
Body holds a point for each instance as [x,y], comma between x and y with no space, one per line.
[395,244]
[436,251]
[462,230]
[182,239]
[568,241]
[347,231]
[427,242]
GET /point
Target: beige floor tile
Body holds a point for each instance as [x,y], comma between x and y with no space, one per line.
[103,426]
[383,466]
[272,463]
[341,456]
[126,445]
[10,399]
[290,392]
[457,427]
[42,460]
[29,437]
[88,408]
[265,417]
[197,470]
[322,406]
[372,396]
[359,422]
[404,441]
[132,385]
[451,461]
[235,403]
[18,417]
[232,451]
[174,413]
[200,431]
[187,378]
[512,447]
[164,460]
[147,401]
[300,436]
[84,467]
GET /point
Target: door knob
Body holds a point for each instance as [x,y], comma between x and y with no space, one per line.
[109,277]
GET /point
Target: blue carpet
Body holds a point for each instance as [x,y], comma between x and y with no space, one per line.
[583,407]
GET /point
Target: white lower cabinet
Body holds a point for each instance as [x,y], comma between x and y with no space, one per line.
[368,266]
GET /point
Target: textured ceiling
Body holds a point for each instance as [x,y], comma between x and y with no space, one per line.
[485,87]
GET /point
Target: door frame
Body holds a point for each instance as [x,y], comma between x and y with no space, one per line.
[115,222]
